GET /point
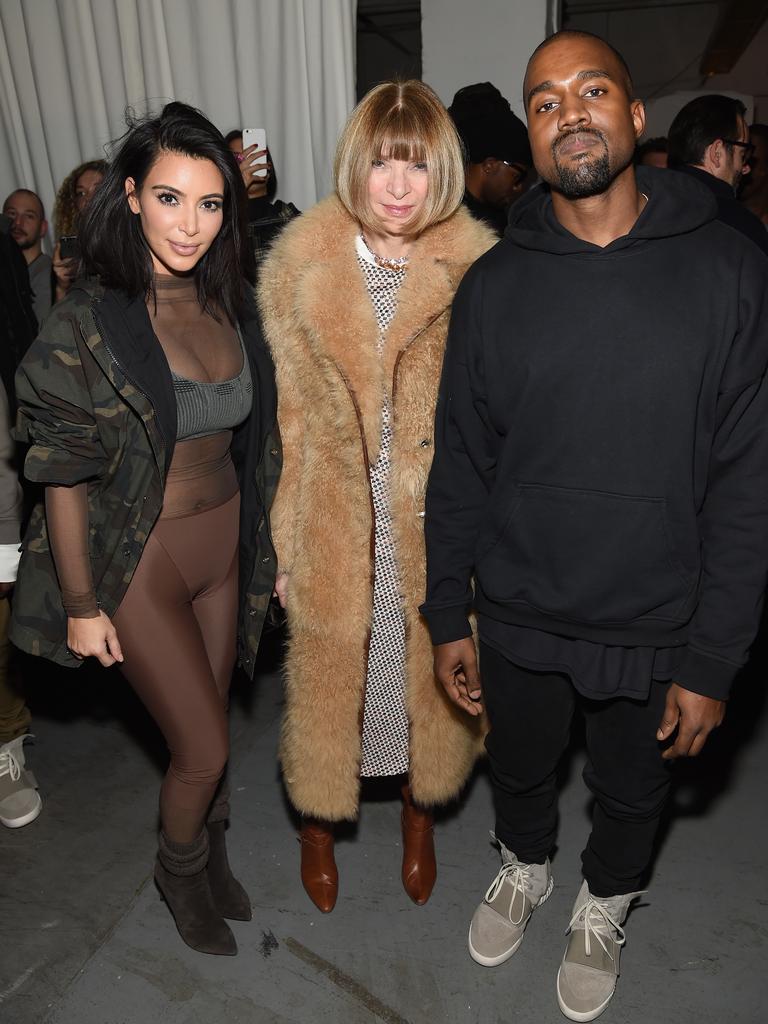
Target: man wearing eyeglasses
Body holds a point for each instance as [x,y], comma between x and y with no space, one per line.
[498,153]
[709,141]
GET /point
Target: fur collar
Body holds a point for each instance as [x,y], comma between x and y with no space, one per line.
[313,280]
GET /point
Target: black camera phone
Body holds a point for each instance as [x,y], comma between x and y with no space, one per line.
[69,247]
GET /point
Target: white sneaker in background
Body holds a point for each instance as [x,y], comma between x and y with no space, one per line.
[20,802]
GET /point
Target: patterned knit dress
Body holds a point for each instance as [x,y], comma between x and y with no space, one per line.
[385,722]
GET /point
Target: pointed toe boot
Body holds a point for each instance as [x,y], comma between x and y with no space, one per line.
[319,874]
[182,878]
[419,864]
[230,897]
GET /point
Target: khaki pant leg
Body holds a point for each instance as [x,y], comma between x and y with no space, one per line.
[14,713]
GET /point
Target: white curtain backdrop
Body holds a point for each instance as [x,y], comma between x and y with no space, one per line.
[69,68]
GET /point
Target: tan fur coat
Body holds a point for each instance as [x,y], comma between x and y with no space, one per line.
[320,324]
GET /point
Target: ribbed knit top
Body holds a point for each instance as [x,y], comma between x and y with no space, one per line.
[189,336]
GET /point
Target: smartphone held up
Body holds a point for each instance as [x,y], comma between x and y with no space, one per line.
[257,137]
[69,247]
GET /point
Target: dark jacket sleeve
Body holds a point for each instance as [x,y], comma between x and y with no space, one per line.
[462,471]
[733,522]
[55,410]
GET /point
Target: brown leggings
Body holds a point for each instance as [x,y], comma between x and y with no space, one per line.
[177,628]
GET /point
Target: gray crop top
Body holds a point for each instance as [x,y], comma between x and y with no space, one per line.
[207,407]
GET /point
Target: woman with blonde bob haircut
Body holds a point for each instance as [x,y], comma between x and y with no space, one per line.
[405,121]
[356,298]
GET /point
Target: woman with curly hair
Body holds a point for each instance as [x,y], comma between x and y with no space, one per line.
[73,197]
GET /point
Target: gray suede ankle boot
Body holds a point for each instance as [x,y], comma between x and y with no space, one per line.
[230,897]
[182,878]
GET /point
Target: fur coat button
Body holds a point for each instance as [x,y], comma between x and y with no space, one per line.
[425,443]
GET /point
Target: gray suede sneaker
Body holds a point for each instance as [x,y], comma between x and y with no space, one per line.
[497,927]
[587,977]
[20,802]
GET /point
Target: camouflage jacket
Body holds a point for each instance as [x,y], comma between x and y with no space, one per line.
[96,404]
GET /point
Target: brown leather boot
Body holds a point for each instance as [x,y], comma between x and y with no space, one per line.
[319,874]
[419,865]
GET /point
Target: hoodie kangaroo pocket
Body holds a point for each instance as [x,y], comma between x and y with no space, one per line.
[586,556]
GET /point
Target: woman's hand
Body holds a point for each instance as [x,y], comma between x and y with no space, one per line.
[64,272]
[281,588]
[248,157]
[94,638]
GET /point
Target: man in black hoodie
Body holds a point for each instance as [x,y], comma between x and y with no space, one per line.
[600,473]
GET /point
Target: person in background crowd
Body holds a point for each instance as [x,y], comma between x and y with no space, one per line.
[599,495]
[19,801]
[355,297]
[754,185]
[652,153]
[709,142]
[28,228]
[149,403]
[74,195]
[18,323]
[497,149]
[72,199]
[267,216]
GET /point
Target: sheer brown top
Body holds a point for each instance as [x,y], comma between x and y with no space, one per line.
[200,350]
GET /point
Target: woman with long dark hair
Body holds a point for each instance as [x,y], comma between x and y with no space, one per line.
[149,403]
[266,215]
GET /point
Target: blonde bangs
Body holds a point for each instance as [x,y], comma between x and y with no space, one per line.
[400,121]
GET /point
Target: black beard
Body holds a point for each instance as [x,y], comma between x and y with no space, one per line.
[588,178]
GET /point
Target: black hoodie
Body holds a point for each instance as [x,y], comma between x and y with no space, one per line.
[601,443]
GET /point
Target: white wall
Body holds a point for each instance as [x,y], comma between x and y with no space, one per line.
[468,41]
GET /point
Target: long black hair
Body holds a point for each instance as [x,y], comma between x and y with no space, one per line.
[111,238]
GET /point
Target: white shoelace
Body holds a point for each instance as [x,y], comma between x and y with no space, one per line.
[520,881]
[600,927]
[9,766]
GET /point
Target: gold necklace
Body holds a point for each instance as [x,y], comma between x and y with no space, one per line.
[386,262]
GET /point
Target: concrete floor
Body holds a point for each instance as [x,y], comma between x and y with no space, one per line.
[85,939]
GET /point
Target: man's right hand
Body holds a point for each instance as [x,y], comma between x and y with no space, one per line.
[457,672]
